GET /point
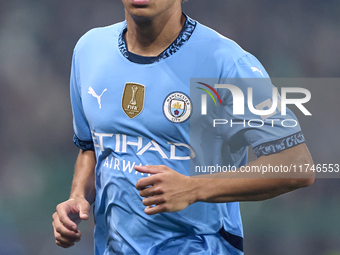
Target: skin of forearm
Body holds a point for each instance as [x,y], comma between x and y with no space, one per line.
[83,184]
[233,186]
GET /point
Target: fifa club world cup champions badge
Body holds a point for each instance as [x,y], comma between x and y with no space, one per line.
[133,99]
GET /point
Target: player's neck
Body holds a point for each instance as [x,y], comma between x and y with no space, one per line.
[150,37]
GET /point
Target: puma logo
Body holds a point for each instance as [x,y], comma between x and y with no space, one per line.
[255,69]
[93,93]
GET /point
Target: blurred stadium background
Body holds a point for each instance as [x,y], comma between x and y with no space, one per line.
[292,38]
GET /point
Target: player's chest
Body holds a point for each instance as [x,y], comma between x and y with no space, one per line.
[142,101]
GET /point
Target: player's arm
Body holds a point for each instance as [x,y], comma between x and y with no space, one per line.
[260,185]
[69,213]
[168,191]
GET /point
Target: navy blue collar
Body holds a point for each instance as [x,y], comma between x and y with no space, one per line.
[182,38]
[140,59]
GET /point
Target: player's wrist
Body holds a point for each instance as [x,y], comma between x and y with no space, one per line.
[196,190]
[79,192]
[77,196]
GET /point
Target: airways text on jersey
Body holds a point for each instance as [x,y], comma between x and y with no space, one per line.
[124,144]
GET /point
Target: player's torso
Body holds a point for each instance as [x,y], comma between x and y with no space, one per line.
[141,114]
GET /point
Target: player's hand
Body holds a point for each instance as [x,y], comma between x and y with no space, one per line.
[66,219]
[165,190]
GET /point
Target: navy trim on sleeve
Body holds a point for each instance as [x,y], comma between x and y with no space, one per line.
[282,144]
[84,145]
[233,240]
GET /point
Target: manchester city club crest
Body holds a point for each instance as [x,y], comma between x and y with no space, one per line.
[177,107]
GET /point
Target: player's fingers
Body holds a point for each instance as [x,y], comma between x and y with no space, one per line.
[62,213]
[151,210]
[151,169]
[65,239]
[84,208]
[66,235]
[62,230]
[151,191]
[147,181]
[64,245]
[154,200]
[64,242]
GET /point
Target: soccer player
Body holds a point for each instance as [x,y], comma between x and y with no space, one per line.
[132,108]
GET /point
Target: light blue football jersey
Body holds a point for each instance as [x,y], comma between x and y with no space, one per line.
[137,111]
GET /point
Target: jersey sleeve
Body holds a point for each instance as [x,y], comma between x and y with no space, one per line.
[82,133]
[265,134]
